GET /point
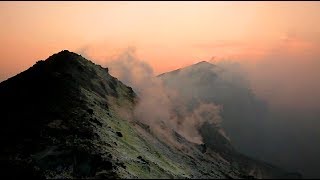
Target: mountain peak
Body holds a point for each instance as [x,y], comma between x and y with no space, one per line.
[67,61]
[202,62]
[202,65]
[64,55]
[66,52]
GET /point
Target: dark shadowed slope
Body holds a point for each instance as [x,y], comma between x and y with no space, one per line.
[66,117]
[242,112]
[206,82]
[52,115]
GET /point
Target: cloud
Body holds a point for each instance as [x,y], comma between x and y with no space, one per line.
[155,107]
[205,112]
[287,78]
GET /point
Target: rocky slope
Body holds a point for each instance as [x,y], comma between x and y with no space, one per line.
[66,117]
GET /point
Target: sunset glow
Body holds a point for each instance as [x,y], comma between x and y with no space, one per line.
[199,89]
[167,35]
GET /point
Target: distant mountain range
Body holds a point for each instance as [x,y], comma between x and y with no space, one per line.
[66,117]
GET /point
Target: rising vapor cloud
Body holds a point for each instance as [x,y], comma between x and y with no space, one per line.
[286,77]
[155,107]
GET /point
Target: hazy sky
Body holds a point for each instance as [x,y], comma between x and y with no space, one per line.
[167,35]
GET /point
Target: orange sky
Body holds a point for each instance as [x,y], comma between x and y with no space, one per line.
[168,35]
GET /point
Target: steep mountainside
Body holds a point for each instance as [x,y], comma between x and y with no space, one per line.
[242,112]
[206,82]
[66,117]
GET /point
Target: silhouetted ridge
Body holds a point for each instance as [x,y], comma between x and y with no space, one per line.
[64,56]
[49,118]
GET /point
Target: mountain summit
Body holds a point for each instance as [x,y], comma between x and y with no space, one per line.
[199,66]
[66,117]
[53,115]
[203,63]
